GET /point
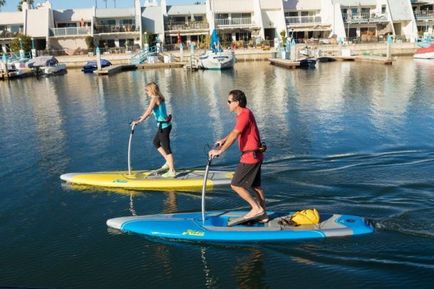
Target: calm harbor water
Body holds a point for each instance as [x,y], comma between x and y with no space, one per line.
[348,138]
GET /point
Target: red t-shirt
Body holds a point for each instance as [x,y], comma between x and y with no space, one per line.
[249,139]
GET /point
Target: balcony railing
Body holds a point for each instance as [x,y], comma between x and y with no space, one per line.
[187,26]
[364,18]
[70,31]
[8,34]
[116,28]
[294,20]
[233,22]
[424,15]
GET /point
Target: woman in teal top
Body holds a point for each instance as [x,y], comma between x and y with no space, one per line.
[157,107]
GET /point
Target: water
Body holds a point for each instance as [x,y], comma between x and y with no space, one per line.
[348,138]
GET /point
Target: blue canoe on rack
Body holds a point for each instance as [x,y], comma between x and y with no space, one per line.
[189,226]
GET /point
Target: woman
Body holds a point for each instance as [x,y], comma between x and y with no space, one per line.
[157,106]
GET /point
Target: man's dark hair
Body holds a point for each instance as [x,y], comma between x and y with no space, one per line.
[239,96]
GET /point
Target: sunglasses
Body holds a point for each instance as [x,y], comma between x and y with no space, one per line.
[230,101]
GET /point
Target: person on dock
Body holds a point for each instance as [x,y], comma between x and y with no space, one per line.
[248,172]
[157,107]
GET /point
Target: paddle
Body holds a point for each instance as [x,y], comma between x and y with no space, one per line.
[129,147]
[205,178]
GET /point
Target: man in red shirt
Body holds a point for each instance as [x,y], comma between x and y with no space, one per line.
[248,172]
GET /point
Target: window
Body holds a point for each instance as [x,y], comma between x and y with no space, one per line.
[291,14]
[222,16]
[383,9]
[126,22]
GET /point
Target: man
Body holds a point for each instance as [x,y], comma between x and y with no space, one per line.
[248,172]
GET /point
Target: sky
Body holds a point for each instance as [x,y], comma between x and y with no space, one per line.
[11,5]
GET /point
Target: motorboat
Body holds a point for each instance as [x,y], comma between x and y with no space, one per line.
[308,63]
[425,52]
[91,66]
[216,57]
[426,48]
[46,65]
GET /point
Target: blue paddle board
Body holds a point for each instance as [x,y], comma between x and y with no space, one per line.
[189,226]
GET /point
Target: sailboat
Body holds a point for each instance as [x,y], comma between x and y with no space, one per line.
[216,57]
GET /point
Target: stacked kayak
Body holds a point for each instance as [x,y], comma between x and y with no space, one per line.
[189,226]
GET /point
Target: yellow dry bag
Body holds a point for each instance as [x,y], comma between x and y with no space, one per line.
[305,217]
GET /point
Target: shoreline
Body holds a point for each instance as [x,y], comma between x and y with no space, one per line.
[247,54]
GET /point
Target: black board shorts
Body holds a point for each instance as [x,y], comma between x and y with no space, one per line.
[162,139]
[247,175]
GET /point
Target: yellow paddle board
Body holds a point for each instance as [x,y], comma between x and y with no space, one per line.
[185,180]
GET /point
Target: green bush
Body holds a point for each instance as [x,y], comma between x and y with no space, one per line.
[26,43]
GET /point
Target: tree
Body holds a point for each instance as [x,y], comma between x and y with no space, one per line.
[19,7]
[90,43]
[2,3]
[26,43]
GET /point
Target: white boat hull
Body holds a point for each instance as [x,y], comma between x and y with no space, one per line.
[217,60]
[425,52]
[424,55]
[58,68]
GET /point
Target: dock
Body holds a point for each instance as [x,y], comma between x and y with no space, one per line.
[109,70]
[285,63]
[14,74]
[359,58]
[161,65]
[363,58]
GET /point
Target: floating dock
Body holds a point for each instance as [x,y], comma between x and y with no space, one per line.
[362,58]
[14,74]
[296,64]
[109,70]
[285,63]
[161,65]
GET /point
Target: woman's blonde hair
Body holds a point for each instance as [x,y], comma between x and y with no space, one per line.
[154,90]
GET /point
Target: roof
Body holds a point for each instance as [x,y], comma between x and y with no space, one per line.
[357,3]
[115,13]
[186,9]
[72,15]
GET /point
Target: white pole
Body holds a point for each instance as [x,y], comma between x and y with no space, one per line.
[129,148]
[205,177]
[98,58]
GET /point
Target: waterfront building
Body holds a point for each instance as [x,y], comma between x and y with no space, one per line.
[238,23]
[186,23]
[424,16]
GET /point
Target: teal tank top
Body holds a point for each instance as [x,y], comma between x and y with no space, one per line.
[160,114]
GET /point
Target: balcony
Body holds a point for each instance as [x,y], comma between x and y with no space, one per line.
[182,26]
[8,34]
[424,15]
[364,18]
[302,20]
[234,22]
[70,31]
[116,28]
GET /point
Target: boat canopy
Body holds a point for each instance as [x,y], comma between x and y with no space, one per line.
[93,63]
[42,61]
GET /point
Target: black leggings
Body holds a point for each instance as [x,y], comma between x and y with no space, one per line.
[162,139]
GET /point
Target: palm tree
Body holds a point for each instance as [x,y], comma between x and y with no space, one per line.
[2,3]
[19,7]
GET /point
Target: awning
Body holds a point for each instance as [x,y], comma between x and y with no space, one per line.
[386,30]
[310,28]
